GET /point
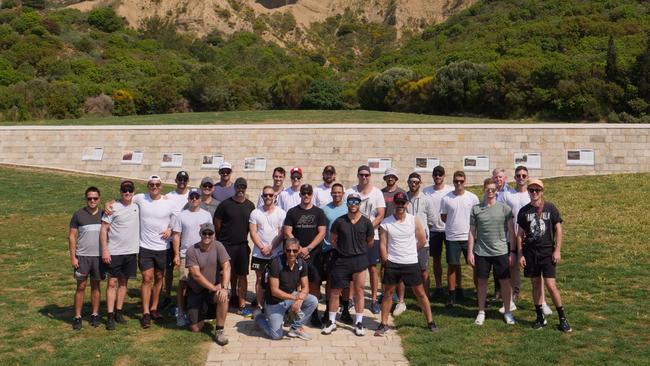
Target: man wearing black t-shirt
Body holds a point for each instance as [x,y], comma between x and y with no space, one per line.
[351,235]
[539,241]
[231,224]
[308,223]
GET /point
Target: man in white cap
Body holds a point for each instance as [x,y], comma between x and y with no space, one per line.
[290,197]
[391,176]
[224,189]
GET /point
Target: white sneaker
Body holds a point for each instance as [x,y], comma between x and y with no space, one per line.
[513,307]
[509,319]
[399,309]
[480,318]
[329,327]
[546,309]
[359,330]
[181,320]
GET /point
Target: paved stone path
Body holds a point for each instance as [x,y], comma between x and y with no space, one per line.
[249,346]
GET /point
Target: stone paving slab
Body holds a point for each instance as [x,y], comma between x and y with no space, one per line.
[249,346]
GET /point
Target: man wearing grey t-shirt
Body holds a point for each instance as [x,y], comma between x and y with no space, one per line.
[120,241]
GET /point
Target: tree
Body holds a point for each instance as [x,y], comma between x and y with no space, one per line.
[457,87]
[323,94]
[105,19]
[641,72]
[289,91]
[612,72]
[373,91]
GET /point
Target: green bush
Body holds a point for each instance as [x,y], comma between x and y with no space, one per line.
[323,94]
[105,19]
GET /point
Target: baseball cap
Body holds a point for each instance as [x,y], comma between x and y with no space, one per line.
[195,192]
[363,168]
[225,165]
[391,171]
[415,175]
[439,170]
[241,182]
[354,196]
[329,169]
[207,180]
[208,226]
[535,182]
[401,197]
[296,170]
[127,183]
[154,177]
[182,175]
[306,188]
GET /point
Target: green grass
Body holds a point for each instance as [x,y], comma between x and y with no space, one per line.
[262,117]
[604,281]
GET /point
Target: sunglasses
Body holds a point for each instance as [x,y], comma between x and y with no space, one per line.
[305,194]
[458,181]
[399,203]
[126,190]
[92,198]
[414,182]
[268,195]
[521,176]
[240,186]
[294,251]
[363,175]
[194,197]
[207,185]
[152,185]
[225,172]
[354,203]
[182,180]
[536,190]
[491,190]
[438,175]
[207,233]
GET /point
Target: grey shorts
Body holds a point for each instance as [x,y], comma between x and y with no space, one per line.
[89,266]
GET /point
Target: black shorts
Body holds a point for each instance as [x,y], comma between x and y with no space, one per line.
[259,264]
[483,265]
[170,259]
[395,273]
[200,306]
[122,266]
[239,255]
[89,266]
[373,254]
[345,267]
[436,241]
[156,259]
[315,271]
[327,261]
[538,265]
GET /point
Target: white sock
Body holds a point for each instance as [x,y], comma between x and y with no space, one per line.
[481,312]
[359,318]
[333,316]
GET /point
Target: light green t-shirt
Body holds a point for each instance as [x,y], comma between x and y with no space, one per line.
[490,223]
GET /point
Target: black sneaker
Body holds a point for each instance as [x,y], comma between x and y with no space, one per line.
[76,323]
[381,330]
[145,322]
[346,317]
[432,327]
[450,302]
[94,320]
[325,317]
[564,326]
[110,322]
[165,302]
[539,323]
[437,293]
[156,316]
[460,296]
[315,320]
[119,317]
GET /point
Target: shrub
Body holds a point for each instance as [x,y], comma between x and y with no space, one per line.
[123,104]
[105,19]
[100,105]
[323,94]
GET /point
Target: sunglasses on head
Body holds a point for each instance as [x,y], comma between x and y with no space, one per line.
[152,185]
[92,198]
[207,233]
[126,190]
[536,190]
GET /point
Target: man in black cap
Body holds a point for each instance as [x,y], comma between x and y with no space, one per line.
[231,224]
[322,193]
[308,223]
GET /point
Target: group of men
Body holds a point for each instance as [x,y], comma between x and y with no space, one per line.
[304,237]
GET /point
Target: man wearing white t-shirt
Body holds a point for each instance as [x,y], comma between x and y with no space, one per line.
[322,193]
[278,186]
[437,233]
[265,227]
[373,207]
[402,235]
[455,209]
[179,196]
[156,216]
[185,233]
[290,197]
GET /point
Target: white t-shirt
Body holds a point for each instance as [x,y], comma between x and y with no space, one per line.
[179,199]
[436,198]
[401,243]
[189,224]
[458,209]
[269,225]
[516,200]
[288,199]
[156,216]
[124,230]
[322,195]
[369,203]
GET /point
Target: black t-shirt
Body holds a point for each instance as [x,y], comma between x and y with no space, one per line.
[539,232]
[305,223]
[352,239]
[289,278]
[234,221]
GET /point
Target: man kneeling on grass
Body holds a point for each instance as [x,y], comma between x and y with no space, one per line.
[207,286]
[287,292]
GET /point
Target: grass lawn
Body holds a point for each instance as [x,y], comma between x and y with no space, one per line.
[604,280]
[261,117]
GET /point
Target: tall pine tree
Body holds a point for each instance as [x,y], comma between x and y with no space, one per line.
[612,71]
[641,72]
